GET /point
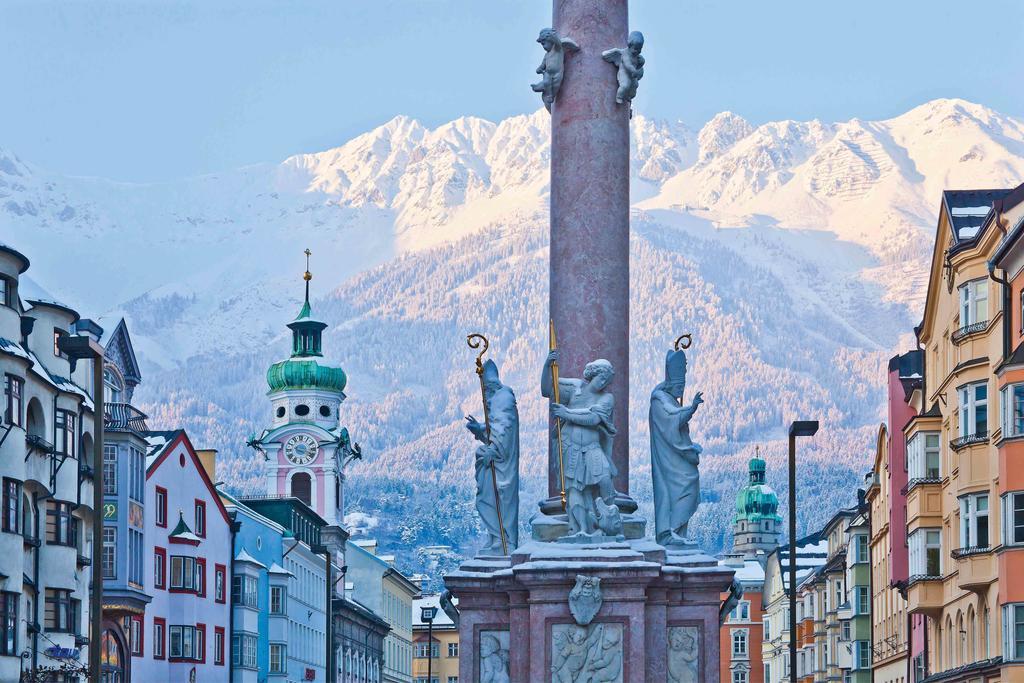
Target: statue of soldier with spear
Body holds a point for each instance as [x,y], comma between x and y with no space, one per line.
[497,460]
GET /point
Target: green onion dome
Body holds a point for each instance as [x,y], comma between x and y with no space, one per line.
[757,501]
[305,373]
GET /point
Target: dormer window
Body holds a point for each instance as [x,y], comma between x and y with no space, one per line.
[57,335]
[113,387]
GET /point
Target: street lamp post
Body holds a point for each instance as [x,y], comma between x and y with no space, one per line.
[798,428]
[79,347]
[427,615]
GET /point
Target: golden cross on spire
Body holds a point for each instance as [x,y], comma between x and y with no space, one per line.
[757,450]
[308,275]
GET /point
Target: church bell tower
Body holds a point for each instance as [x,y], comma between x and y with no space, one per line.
[757,522]
[305,445]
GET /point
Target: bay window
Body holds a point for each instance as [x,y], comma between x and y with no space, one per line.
[973,409]
[973,303]
[974,521]
[182,642]
[923,456]
[1011,410]
[14,392]
[109,469]
[925,552]
[243,650]
[60,527]
[109,552]
[9,623]
[11,505]
[243,591]
[65,433]
[278,658]
[61,611]
[1013,632]
[1013,518]
[185,575]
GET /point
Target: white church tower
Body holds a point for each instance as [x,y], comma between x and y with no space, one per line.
[306,447]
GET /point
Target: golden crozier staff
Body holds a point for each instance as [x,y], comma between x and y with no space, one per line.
[475,341]
[552,345]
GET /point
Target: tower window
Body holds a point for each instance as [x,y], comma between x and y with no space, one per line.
[302,485]
[302,409]
[280,411]
[325,411]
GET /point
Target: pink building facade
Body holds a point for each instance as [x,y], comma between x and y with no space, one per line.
[188,541]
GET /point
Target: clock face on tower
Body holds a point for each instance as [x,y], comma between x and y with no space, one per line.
[301,449]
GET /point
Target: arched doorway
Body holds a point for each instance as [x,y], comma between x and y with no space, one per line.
[112,661]
[302,487]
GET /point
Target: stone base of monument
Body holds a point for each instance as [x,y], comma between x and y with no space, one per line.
[611,612]
[550,523]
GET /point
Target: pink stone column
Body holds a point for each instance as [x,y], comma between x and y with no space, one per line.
[589,277]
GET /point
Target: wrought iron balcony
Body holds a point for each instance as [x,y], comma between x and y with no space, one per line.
[969,440]
[919,481]
[968,330]
[124,417]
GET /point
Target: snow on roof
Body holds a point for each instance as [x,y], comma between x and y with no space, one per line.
[275,568]
[750,571]
[243,556]
[14,349]
[968,232]
[440,619]
[970,210]
[187,536]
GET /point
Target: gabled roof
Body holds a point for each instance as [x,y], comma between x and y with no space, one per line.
[244,556]
[120,343]
[163,444]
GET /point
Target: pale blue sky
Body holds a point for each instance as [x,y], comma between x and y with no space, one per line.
[145,90]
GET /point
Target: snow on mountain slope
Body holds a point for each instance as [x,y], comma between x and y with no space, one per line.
[795,251]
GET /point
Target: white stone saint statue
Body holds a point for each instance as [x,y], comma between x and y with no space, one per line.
[586,410]
[500,449]
[674,457]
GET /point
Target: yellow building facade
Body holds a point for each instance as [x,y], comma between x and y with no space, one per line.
[435,649]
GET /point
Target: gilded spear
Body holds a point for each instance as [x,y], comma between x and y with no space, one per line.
[476,341]
[552,345]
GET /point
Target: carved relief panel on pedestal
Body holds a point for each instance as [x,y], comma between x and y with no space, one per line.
[683,653]
[493,657]
[586,654]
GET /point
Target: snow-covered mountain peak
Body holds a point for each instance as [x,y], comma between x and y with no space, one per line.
[719,134]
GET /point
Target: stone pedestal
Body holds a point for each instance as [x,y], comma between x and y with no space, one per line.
[657,621]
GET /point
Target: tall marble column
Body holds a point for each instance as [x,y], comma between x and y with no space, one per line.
[590,211]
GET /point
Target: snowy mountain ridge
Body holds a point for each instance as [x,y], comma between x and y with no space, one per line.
[795,251]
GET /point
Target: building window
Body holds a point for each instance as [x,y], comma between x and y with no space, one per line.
[863,660]
[739,643]
[200,646]
[11,506]
[182,642]
[863,599]
[919,668]
[428,651]
[1013,518]
[741,612]
[109,469]
[278,658]
[109,552]
[923,456]
[1013,632]
[135,636]
[861,553]
[14,395]
[201,576]
[184,575]
[739,676]
[846,630]
[277,597]
[159,628]
[1011,410]
[243,650]
[136,548]
[847,676]
[925,552]
[974,521]
[219,574]
[6,292]
[218,645]
[58,334]
[973,303]
[137,462]
[160,503]
[453,649]
[61,611]
[200,525]
[159,568]
[9,623]
[60,528]
[65,433]
[243,591]
[973,409]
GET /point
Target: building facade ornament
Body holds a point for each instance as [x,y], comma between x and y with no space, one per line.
[552,67]
[585,599]
[629,64]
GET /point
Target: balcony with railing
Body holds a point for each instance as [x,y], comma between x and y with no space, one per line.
[963,442]
[968,330]
[123,417]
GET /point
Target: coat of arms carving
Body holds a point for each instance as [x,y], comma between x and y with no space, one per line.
[585,599]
